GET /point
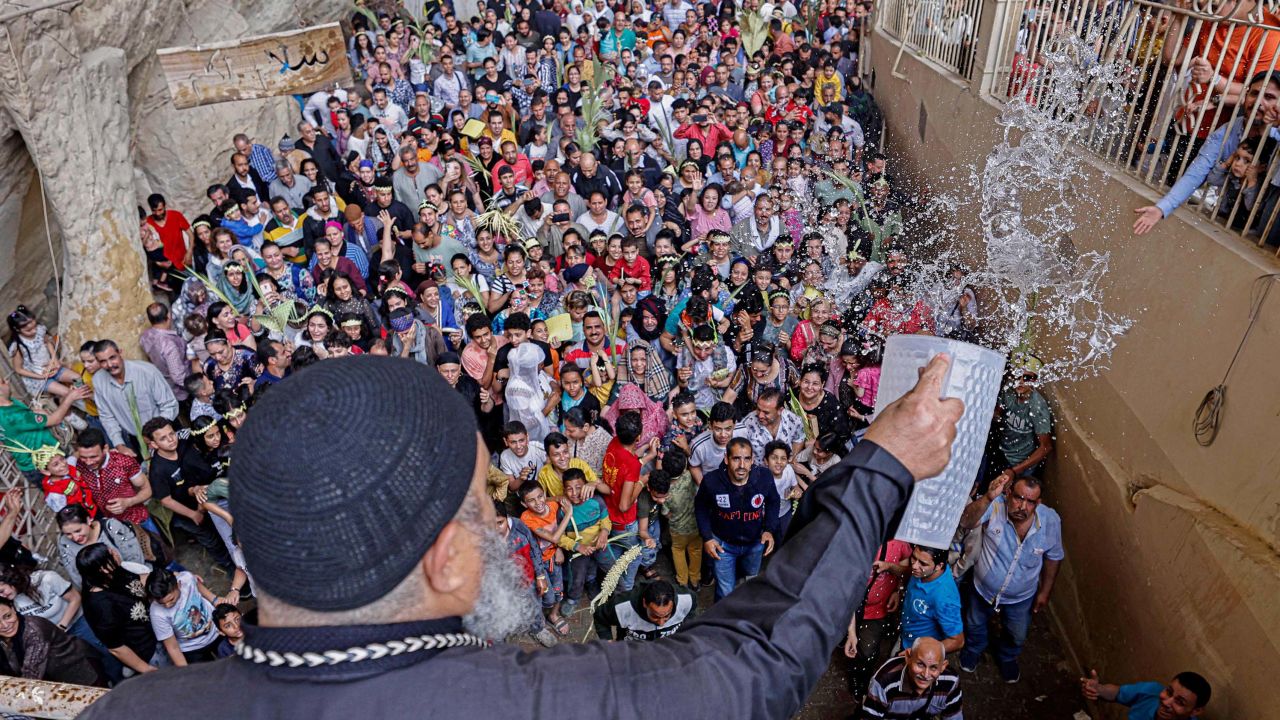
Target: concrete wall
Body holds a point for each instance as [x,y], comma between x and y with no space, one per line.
[1171,547]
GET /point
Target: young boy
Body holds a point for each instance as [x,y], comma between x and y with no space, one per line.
[62,486]
[226,618]
[523,458]
[777,457]
[182,616]
[522,546]
[686,543]
[706,367]
[178,491]
[89,365]
[632,267]
[687,426]
[547,523]
[650,507]
[709,448]
[586,534]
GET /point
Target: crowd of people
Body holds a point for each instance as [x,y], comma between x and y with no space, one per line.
[644,241]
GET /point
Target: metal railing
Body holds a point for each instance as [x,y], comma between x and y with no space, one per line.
[1186,75]
[35,527]
[942,31]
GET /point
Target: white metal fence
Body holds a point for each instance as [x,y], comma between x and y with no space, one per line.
[943,31]
[1186,69]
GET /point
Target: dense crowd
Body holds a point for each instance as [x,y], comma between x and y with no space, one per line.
[657,250]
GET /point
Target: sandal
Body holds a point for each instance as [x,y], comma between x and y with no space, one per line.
[650,574]
[560,625]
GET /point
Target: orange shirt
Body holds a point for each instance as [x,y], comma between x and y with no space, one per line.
[547,520]
[1237,47]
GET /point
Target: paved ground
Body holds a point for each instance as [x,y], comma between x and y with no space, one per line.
[1048,690]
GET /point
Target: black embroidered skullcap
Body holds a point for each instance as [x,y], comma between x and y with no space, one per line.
[343,476]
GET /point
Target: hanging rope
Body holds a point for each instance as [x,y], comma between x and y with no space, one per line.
[1209,414]
[44,192]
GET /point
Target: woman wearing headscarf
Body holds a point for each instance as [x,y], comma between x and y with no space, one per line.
[193,300]
[644,331]
[36,649]
[237,289]
[653,417]
[384,151]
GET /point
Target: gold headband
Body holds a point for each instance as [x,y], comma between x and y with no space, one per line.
[40,456]
[207,428]
[317,310]
[234,413]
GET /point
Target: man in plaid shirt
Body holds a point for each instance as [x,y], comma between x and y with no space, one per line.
[114,478]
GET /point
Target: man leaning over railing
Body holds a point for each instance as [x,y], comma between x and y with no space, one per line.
[1262,105]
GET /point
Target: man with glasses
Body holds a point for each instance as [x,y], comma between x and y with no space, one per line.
[1015,569]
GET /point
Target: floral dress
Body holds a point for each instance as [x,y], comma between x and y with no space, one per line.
[241,367]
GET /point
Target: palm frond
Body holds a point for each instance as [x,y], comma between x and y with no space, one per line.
[368,14]
[472,161]
[425,51]
[40,456]
[499,222]
[472,288]
[280,315]
[755,31]
[593,109]
[615,574]
[793,404]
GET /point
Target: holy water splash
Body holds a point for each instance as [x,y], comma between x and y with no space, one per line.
[1046,294]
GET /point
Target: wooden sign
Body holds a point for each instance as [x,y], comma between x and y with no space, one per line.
[289,63]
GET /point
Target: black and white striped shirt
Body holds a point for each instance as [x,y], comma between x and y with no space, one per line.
[893,695]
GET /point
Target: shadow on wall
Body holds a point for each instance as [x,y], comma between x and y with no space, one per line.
[26,268]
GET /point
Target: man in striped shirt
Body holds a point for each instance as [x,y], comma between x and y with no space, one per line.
[914,685]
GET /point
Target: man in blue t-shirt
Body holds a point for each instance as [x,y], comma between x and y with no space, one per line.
[932,604]
[1182,698]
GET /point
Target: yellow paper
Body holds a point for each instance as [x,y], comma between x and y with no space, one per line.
[472,129]
[559,328]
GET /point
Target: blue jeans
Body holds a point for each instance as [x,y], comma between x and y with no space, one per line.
[649,556]
[614,550]
[555,584]
[977,618]
[736,562]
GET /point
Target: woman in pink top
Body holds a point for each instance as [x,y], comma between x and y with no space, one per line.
[707,215]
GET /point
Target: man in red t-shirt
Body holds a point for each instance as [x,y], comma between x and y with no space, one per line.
[173,229]
[873,622]
[621,474]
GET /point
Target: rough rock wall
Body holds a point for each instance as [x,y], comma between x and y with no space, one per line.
[181,152]
[86,103]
